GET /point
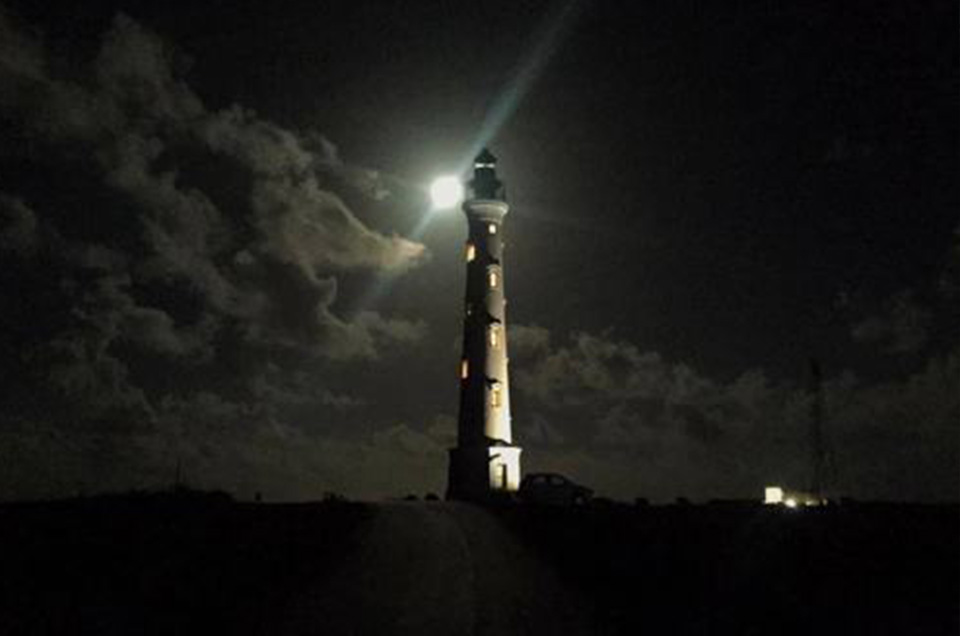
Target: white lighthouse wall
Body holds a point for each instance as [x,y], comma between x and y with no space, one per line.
[496,416]
[484,216]
[504,467]
[485,461]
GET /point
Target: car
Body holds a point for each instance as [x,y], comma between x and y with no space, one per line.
[553,490]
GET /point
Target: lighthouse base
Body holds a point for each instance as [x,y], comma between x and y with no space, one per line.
[482,473]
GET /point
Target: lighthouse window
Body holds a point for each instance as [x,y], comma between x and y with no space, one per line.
[494,336]
[464,369]
[494,280]
[495,395]
[471,252]
[492,228]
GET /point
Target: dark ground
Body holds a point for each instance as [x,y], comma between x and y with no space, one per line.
[749,569]
[162,565]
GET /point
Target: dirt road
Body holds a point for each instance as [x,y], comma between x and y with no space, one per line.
[438,568]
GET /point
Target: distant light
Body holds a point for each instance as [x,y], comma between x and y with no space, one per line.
[773,495]
[790,503]
[446,192]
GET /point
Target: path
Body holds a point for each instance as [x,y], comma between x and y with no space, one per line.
[435,569]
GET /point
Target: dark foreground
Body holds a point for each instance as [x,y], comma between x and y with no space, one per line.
[207,565]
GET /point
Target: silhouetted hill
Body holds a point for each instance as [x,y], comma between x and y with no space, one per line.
[200,563]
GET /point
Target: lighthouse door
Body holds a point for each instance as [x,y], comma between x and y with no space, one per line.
[502,476]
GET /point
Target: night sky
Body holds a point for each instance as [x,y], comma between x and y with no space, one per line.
[217,250]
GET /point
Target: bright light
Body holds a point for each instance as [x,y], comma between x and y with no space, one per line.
[773,495]
[790,503]
[446,192]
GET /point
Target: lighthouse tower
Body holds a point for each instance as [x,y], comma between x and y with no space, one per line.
[485,462]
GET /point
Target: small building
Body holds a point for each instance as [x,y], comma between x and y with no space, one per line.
[778,496]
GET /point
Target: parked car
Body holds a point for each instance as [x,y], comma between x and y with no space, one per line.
[553,490]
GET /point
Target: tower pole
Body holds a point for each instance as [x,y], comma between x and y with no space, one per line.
[817,446]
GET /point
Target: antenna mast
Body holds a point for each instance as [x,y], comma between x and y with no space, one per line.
[817,444]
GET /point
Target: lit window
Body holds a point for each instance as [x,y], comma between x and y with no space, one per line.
[494,336]
[494,280]
[464,369]
[471,252]
[495,396]
[492,228]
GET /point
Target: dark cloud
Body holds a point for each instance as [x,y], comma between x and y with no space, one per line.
[843,149]
[404,439]
[138,115]
[18,226]
[595,368]
[901,327]
[639,425]
[539,431]
[282,388]
[528,340]
[182,306]
[312,228]
[899,436]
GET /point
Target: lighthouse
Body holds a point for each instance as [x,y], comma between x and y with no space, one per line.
[485,463]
